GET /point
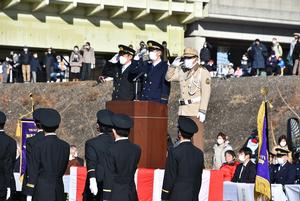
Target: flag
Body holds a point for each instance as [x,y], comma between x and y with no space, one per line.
[262,189]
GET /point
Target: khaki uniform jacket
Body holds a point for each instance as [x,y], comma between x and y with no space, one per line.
[193,84]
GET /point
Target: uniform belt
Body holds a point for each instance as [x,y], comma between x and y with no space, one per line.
[189,101]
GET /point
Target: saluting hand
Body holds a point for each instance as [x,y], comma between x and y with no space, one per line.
[177,62]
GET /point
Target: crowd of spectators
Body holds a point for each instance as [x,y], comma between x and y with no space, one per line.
[242,169]
[258,60]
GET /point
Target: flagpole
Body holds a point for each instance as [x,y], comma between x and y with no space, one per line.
[264,91]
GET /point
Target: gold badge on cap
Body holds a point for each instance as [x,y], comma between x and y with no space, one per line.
[121,48]
[150,44]
[207,81]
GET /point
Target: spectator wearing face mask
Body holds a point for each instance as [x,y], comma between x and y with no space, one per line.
[228,168]
[246,171]
[219,150]
[195,88]
[282,144]
[88,61]
[285,172]
[25,62]
[119,68]
[205,53]
[76,64]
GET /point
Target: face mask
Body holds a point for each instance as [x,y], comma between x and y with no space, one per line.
[220,141]
[280,161]
[49,52]
[25,50]
[35,56]
[242,158]
[188,63]
[7,59]
[152,56]
[274,41]
[282,144]
[76,155]
[76,50]
[123,60]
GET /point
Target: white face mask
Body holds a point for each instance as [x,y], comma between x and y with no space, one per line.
[189,63]
[220,141]
[280,161]
[123,60]
[152,56]
[242,158]
[282,144]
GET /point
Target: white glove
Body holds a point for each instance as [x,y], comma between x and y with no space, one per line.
[136,57]
[93,186]
[177,62]
[28,198]
[201,116]
[115,59]
[8,193]
[92,66]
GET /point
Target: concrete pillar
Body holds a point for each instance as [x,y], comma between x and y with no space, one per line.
[194,42]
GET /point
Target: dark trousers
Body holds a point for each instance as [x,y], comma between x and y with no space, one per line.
[49,70]
[86,71]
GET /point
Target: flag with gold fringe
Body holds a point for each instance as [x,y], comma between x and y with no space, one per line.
[262,189]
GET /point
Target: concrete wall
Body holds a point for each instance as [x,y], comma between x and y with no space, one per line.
[280,11]
[60,33]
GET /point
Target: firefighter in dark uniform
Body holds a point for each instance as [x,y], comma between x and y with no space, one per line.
[95,151]
[286,172]
[49,162]
[8,149]
[184,166]
[30,144]
[154,86]
[119,67]
[122,162]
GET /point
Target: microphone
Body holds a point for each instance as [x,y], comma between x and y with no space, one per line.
[137,77]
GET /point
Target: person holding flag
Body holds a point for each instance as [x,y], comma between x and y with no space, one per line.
[262,190]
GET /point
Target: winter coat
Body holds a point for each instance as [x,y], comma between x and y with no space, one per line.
[228,170]
[259,53]
[219,155]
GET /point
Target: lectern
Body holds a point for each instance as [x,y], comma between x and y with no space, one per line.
[149,130]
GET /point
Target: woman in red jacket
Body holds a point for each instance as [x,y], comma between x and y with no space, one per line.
[228,168]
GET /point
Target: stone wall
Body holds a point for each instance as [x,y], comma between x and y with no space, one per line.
[232,109]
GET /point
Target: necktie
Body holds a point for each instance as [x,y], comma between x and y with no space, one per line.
[242,169]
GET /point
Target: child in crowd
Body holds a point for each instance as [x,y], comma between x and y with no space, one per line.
[281,64]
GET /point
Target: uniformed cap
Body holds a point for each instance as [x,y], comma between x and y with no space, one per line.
[123,49]
[121,121]
[50,118]
[187,126]
[2,118]
[281,152]
[37,114]
[104,117]
[153,45]
[190,52]
[296,34]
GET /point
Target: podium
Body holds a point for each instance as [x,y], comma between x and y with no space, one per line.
[149,130]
